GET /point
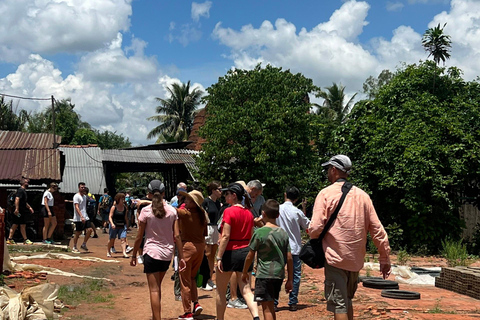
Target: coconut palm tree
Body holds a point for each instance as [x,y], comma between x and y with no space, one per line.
[438,45]
[334,105]
[176,113]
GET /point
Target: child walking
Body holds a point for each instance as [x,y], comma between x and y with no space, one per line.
[271,244]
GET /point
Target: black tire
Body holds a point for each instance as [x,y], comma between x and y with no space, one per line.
[361,278]
[400,294]
[380,284]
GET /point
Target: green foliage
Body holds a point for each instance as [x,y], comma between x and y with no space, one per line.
[334,105]
[9,119]
[84,136]
[395,236]
[402,257]
[474,244]
[176,113]
[437,44]
[258,126]
[455,252]
[111,140]
[414,150]
[372,85]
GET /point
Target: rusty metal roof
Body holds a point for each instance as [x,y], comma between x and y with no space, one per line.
[11,140]
[36,164]
[169,156]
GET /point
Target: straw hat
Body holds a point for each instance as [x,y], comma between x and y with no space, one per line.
[197,197]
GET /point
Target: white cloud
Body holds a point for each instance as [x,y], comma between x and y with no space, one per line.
[113,65]
[52,26]
[201,10]
[122,107]
[394,6]
[331,52]
[188,33]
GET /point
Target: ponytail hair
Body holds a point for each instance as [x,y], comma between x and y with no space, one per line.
[157,205]
[248,201]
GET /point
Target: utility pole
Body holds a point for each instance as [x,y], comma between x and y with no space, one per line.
[55,145]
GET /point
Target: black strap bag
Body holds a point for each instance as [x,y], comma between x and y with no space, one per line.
[312,253]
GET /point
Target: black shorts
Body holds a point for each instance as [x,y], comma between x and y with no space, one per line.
[80,226]
[22,219]
[267,289]
[45,213]
[233,260]
[151,265]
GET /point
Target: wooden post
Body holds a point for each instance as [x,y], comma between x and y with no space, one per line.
[2,238]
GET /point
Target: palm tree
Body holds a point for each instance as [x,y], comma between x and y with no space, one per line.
[438,45]
[334,105]
[176,113]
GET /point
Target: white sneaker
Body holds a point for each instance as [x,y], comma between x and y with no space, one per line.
[140,259]
[129,249]
[208,288]
[237,304]
[211,284]
[112,250]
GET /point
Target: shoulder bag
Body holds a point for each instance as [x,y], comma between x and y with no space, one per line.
[312,253]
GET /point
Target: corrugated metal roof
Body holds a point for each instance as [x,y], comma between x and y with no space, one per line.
[170,156]
[10,140]
[37,164]
[82,164]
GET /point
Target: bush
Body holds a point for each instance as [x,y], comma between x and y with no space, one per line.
[455,252]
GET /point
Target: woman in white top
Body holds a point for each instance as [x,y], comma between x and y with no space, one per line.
[49,219]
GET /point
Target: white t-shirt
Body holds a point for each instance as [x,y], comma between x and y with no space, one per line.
[47,194]
[82,204]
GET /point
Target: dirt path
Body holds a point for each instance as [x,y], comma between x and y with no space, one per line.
[128,296]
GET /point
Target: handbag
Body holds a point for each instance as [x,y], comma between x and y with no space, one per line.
[312,253]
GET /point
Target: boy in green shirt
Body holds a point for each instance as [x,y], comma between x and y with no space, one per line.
[271,244]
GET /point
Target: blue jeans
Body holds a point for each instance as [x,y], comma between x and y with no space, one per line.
[297,274]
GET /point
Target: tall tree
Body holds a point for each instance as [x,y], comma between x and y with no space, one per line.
[372,85]
[176,114]
[334,105]
[9,119]
[438,45]
[416,151]
[258,126]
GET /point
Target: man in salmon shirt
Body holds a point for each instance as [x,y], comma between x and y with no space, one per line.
[345,242]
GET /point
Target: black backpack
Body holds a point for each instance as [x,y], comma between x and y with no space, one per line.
[11,198]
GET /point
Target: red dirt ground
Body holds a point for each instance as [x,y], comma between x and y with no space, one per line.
[131,298]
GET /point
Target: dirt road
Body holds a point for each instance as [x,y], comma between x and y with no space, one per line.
[125,294]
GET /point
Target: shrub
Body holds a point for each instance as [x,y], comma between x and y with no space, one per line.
[455,252]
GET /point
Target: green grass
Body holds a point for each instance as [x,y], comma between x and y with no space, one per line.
[35,249]
[437,309]
[90,291]
[455,252]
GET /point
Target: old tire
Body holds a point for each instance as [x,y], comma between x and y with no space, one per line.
[380,284]
[362,278]
[400,294]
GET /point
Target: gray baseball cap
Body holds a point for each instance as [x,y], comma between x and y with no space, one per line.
[339,161]
[156,185]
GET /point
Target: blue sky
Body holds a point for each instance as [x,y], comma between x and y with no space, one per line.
[113,57]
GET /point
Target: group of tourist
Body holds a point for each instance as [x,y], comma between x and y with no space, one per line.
[247,242]
[236,233]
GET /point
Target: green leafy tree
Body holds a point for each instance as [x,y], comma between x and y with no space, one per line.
[85,136]
[438,45]
[111,140]
[9,119]
[334,104]
[415,151]
[258,126]
[372,85]
[176,113]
